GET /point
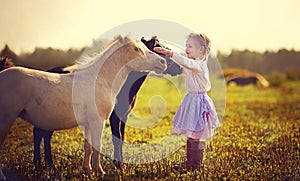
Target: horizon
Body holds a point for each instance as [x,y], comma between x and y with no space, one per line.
[80,48]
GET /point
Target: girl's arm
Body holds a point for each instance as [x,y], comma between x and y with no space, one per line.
[181,60]
[186,62]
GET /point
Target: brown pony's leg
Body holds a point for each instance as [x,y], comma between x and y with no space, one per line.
[5,126]
[37,138]
[117,137]
[47,146]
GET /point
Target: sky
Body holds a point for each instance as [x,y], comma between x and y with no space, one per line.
[256,25]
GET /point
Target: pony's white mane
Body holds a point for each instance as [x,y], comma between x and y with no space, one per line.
[89,59]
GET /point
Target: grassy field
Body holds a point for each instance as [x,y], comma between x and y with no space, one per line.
[259,139]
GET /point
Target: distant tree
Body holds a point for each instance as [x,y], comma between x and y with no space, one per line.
[276,78]
[292,74]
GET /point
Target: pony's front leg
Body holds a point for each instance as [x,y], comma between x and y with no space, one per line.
[87,150]
[5,125]
[117,137]
[96,133]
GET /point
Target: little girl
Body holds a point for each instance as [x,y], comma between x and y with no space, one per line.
[196,116]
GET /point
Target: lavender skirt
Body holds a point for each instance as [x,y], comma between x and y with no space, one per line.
[196,117]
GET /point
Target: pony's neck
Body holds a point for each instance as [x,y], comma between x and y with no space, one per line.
[114,70]
[111,69]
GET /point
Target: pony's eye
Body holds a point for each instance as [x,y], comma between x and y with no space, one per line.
[136,49]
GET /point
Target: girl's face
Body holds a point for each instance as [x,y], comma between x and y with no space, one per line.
[193,49]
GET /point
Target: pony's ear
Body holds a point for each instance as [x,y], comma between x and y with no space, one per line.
[154,38]
[143,40]
[118,37]
[126,39]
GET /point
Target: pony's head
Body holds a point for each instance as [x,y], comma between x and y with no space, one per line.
[140,58]
[172,67]
[5,63]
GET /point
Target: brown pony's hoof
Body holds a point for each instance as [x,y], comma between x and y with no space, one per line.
[117,164]
[37,165]
[50,164]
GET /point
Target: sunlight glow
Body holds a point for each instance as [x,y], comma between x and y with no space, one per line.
[255,25]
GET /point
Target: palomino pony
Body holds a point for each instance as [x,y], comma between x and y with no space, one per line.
[38,134]
[126,100]
[37,95]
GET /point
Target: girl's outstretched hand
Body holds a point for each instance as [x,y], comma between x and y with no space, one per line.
[164,51]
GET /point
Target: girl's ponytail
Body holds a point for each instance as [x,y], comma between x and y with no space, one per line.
[203,40]
[207,42]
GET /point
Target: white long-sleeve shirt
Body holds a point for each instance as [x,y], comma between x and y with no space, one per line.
[196,71]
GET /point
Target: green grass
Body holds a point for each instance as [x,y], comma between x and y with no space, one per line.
[259,139]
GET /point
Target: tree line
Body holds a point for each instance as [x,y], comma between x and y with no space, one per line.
[43,58]
[265,63]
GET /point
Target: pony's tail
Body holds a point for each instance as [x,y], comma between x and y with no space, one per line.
[2,177]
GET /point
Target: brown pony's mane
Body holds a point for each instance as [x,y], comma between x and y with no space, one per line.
[5,63]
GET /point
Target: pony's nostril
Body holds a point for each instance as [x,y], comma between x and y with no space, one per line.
[162,61]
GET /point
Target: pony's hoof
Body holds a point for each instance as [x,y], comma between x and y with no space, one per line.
[37,165]
[49,162]
[99,171]
[87,171]
[117,164]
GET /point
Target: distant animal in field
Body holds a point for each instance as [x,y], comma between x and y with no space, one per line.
[26,93]
[248,79]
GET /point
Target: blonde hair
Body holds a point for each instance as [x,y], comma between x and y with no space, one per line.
[202,39]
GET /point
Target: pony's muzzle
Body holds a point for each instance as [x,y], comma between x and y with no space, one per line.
[158,62]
